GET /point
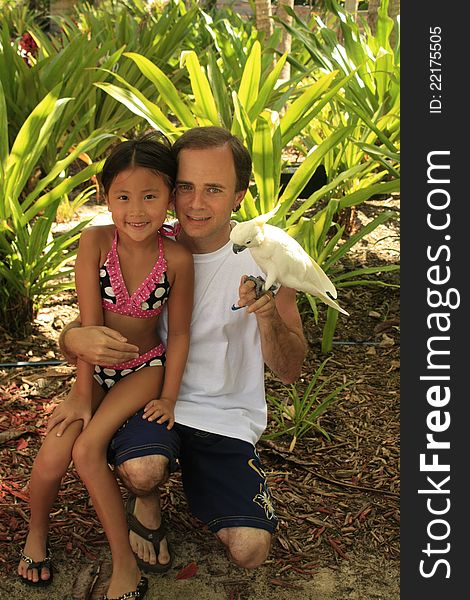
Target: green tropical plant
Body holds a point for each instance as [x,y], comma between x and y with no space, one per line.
[364,164]
[375,89]
[84,51]
[33,263]
[300,412]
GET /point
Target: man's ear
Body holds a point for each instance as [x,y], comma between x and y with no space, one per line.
[238,200]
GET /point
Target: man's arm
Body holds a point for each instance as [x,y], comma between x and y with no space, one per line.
[95,344]
[282,339]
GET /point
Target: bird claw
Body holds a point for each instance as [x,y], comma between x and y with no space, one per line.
[259,288]
[259,285]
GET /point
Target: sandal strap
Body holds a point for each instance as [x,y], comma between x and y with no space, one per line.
[134,594]
[155,536]
[40,564]
[141,589]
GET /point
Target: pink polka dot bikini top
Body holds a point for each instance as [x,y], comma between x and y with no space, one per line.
[148,299]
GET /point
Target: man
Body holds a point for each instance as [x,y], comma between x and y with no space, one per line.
[221,411]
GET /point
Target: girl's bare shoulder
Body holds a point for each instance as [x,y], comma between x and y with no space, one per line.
[98,234]
[174,251]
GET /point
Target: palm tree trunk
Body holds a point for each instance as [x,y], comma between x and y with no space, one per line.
[263,17]
[351,7]
[372,14]
[286,41]
[58,8]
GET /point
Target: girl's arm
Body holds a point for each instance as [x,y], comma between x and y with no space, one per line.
[77,404]
[89,300]
[180,306]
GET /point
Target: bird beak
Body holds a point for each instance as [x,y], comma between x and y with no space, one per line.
[236,248]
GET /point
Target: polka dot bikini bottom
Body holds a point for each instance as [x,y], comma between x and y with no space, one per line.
[107,376]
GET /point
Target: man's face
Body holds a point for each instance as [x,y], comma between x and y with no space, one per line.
[205,197]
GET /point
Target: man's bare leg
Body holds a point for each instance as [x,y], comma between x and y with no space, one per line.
[247,547]
[142,477]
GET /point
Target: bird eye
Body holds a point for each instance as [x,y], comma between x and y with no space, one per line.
[248,242]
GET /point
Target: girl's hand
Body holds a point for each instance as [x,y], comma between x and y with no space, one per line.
[73,408]
[163,408]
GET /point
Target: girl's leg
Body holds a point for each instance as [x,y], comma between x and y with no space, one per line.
[49,467]
[89,455]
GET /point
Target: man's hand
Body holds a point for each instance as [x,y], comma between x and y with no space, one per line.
[97,345]
[73,408]
[264,306]
[163,408]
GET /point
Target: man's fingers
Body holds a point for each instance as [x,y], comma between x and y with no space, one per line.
[114,334]
[111,356]
[116,341]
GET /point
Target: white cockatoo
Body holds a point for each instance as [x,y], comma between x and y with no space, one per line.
[283,259]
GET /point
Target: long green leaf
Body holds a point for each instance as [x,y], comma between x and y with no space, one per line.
[321,193]
[60,166]
[60,190]
[312,160]
[249,85]
[369,122]
[143,108]
[266,89]
[311,94]
[4,145]
[166,88]
[365,271]
[364,194]
[219,89]
[30,142]
[201,89]
[382,218]
[262,156]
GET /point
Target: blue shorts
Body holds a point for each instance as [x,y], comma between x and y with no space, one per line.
[223,479]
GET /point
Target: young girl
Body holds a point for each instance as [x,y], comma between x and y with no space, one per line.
[124,274]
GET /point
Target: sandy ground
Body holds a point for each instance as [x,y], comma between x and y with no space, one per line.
[360,578]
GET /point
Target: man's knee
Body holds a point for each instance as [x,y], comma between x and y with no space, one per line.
[142,475]
[247,547]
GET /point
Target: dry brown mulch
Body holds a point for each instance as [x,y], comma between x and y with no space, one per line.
[332,497]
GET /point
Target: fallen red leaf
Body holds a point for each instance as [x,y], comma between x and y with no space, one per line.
[22,444]
[188,571]
[334,544]
[16,493]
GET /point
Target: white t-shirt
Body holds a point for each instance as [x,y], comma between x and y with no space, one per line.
[222,390]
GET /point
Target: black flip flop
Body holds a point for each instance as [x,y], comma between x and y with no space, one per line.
[39,565]
[154,536]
